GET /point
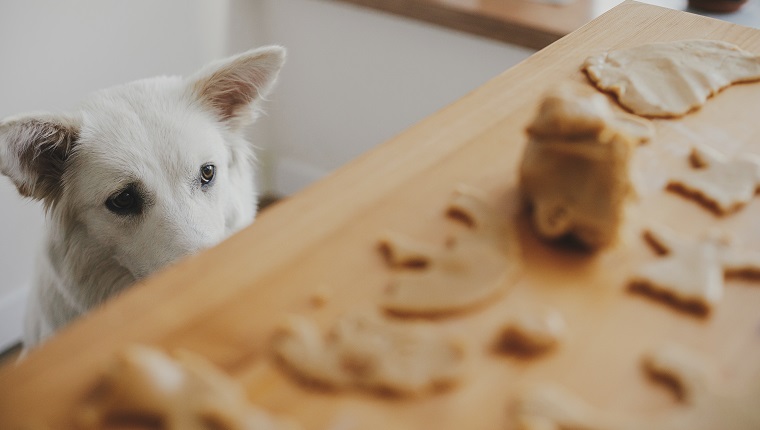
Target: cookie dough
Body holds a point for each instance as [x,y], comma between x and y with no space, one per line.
[469,206]
[688,276]
[721,184]
[468,273]
[690,273]
[400,251]
[574,174]
[671,79]
[464,272]
[147,387]
[530,333]
[370,353]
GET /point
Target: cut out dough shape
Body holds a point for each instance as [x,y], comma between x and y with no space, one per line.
[688,276]
[145,385]
[469,206]
[720,184]
[366,352]
[702,405]
[466,272]
[400,251]
[530,333]
[690,273]
[671,79]
[575,169]
[469,273]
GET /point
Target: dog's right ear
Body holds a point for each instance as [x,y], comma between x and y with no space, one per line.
[233,87]
[34,150]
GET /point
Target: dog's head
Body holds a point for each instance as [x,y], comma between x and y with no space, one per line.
[148,171]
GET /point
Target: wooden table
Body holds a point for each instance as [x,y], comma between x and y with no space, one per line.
[226,302]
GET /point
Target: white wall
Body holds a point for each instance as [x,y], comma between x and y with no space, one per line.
[357,77]
[354,78]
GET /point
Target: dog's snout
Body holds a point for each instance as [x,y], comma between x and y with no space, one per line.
[171,240]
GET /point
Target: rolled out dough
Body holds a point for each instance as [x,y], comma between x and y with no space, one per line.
[671,79]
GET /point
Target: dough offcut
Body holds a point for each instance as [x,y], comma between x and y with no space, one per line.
[671,79]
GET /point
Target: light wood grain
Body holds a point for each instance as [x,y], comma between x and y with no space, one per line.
[226,302]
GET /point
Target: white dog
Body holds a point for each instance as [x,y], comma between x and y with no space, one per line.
[141,175]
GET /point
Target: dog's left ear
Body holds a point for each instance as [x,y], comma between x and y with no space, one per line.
[232,87]
[34,150]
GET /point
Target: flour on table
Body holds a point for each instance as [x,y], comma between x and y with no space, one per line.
[144,385]
[673,78]
[368,352]
[721,184]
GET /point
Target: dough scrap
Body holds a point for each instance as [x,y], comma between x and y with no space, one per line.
[469,206]
[702,405]
[530,333]
[469,273]
[673,78]
[720,184]
[464,273]
[690,273]
[740,263]
[367,352]
[575,169]
[146,386]
[688,276]
[400,251]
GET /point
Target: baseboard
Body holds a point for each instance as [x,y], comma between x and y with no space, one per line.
[291,175]
[12,309]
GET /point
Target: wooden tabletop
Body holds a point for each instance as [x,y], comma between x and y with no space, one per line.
[226,302]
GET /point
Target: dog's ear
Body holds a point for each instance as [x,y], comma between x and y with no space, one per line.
[34,150]
[232,87]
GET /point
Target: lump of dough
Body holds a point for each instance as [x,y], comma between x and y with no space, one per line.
[574,173]
[670,79]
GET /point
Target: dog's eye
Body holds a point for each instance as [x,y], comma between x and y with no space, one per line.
[125,202]
[208,171]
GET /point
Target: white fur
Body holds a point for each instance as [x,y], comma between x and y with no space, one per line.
[155,134]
